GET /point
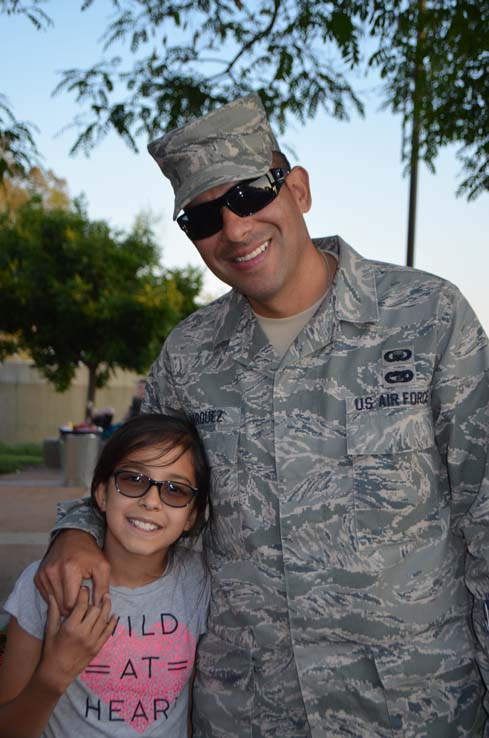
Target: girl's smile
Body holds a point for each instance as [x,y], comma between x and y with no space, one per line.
[145,525]
[140,530]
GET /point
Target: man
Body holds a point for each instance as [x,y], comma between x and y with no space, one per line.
[344,408]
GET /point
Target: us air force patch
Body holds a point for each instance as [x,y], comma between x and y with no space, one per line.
[413,397]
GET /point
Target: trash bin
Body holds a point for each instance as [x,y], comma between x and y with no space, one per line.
[79,450]
[51,453]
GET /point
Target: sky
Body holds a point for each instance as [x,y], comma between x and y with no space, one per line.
[354,167]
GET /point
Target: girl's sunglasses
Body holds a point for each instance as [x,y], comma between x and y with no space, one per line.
[245,198]
[134,484]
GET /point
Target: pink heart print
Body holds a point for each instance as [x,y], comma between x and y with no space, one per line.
[139,677]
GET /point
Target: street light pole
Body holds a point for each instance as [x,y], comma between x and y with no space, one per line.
[415,132]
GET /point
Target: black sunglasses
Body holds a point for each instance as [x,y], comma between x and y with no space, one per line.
[245,198]
[135,484]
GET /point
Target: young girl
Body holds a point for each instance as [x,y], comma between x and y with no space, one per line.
[126,675]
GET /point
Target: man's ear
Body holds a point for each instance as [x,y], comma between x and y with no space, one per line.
[297,182]
[101,496]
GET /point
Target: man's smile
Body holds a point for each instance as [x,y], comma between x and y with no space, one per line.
[253,254]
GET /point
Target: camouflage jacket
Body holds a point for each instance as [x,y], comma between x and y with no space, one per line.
[351,509]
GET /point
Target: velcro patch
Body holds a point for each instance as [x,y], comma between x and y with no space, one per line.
[390,399]
[398,355]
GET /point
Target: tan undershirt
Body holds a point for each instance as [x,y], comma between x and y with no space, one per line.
[282,331]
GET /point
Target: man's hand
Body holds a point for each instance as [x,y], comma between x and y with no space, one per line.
[73,556]
[70,646]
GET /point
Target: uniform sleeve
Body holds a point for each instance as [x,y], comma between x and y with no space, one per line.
[81,515]
[26,604]
[161,394]
[461,405]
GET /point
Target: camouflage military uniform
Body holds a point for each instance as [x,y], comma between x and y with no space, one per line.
[348,480]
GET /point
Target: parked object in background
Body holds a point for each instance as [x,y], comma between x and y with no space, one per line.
[51,453]
[80,448]
[103,418]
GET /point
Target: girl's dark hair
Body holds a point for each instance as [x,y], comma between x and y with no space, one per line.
[165,432]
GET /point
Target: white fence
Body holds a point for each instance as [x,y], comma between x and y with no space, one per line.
[31,409]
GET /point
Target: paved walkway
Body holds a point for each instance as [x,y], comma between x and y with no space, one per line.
[27,512]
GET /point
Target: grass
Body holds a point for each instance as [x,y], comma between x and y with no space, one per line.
[18,456]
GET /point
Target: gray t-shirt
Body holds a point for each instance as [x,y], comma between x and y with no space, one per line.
[138,684]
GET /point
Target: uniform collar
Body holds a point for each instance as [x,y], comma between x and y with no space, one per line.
[354,285]
[239,328]
[355,301]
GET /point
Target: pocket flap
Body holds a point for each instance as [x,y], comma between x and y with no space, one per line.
[219,430]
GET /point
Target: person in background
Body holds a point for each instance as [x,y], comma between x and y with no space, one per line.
[344,406]
[135,406]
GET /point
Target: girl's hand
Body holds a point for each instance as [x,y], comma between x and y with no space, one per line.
[70,646]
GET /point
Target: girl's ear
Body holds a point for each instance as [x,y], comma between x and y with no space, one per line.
[191,520]
[101,496]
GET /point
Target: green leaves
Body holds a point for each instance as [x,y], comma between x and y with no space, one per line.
[73,291]
[18,150]
[452,60]
[189,57]
[32,11]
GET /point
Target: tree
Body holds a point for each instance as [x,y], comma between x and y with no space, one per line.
[18,150]
[74,292]
[17,146]
[190,57]
[32,10]
[18,189]
[434,58]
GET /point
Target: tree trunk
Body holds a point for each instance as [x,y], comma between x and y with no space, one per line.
[415,131]
[92,388]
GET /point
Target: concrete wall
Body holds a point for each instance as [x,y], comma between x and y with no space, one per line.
[31,409]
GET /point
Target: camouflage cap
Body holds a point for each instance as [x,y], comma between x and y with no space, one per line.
[232,143]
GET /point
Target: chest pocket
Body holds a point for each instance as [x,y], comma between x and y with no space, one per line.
[220,439]
[220,436]
[395,470]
